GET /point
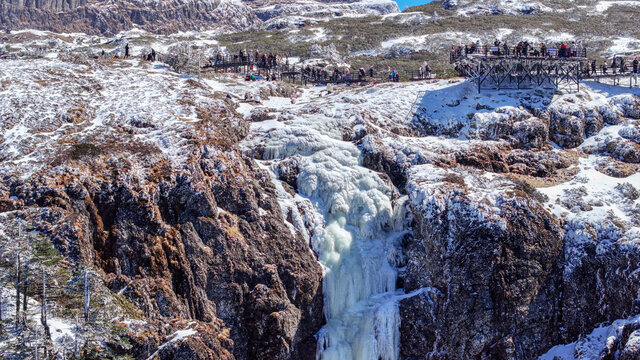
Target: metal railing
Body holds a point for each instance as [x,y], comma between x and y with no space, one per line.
[502,51]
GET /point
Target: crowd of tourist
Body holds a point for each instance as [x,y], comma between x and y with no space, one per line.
[618,65]
[262,61]
[521,49]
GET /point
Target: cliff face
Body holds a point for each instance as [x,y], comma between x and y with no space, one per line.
[493,277]
[94,17]
[167,16]
[497,269]
[184,226]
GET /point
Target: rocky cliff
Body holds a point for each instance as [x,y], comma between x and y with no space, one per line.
[105,17]
[493,272]
[140,177]
[94,17]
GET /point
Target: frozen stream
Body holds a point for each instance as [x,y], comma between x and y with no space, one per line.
[358,237]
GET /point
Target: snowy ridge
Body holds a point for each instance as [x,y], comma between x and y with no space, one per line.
[115,99]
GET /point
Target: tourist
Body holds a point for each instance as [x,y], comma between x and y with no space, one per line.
[543,50]
[563,50]
[496,45]
[593,67]
[427,70]
[371,71]
[635,64]
[126,51]
[519,49]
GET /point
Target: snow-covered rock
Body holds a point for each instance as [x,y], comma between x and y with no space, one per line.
[328,9]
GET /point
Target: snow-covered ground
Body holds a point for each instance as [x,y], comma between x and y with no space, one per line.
[43,113]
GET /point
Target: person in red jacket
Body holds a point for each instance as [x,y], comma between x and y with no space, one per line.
[563,50]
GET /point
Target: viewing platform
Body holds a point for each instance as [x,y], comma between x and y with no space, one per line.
[520,67]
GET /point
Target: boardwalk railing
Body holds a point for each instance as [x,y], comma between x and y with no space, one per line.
[516,51]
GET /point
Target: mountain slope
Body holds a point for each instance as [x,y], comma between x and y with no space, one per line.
[111,17]
[167,16]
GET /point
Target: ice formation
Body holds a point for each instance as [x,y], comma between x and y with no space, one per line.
[358,240]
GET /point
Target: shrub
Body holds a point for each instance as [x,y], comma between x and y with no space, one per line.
[84,149]
[530,190]
[454,179]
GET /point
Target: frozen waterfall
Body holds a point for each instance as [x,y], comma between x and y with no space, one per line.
[358,248]
[357,239]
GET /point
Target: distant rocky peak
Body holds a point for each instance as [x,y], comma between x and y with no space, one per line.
[474,7]
[449,4]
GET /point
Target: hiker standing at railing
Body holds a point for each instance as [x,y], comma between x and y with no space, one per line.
[519,49]
[496,44]
[635,64]
[563,50]
[580,49]
[543,50]
[593,67]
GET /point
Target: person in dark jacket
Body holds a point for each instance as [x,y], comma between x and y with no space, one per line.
[634,64]
[525,48]
[593,67]
[126,51]
[519,49]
